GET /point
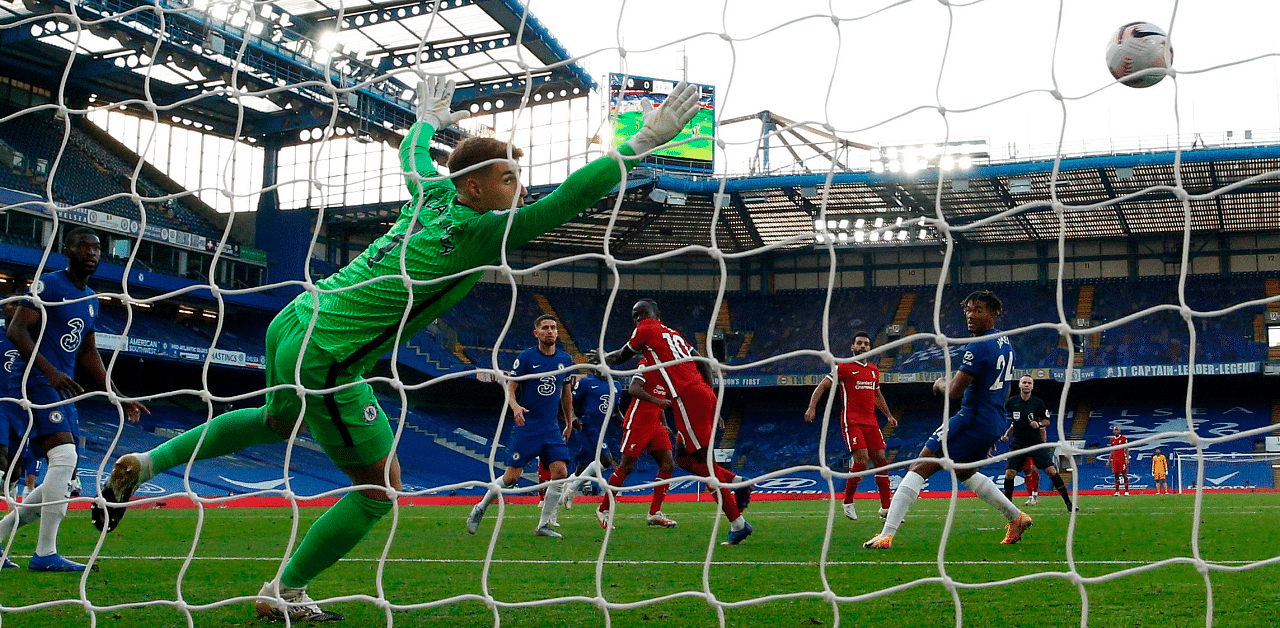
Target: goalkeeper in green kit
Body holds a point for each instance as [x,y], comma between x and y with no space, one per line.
[331,336]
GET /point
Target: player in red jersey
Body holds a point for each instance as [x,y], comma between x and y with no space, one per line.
[861,397]
[644,430]
[1119,459]
[694,403]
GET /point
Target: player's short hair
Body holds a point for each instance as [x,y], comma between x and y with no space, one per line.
[537,322]
[475,150]
[71,237]
[648,305]
[987,298]
[861,333]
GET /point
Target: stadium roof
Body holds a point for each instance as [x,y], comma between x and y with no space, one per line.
[1232,190]
[286,66]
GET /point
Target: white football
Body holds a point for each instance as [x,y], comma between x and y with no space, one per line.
[1135,47]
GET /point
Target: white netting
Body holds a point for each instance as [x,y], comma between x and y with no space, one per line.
[887,74]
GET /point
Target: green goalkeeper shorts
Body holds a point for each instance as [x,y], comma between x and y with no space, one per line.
[347,422]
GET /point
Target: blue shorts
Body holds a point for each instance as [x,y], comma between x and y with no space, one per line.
[55,419]
[30,463]
[13,423]
[967,441]
[525,446]
[583,446]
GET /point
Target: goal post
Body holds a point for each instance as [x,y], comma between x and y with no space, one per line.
[1239,471]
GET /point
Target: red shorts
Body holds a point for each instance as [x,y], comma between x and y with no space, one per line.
[1029,465]
[859,436]
[695,411]
[643,430]
[1119,465]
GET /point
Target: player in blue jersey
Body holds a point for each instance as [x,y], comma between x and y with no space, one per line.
[542,408]
[61,320]
[12,421]
[982,385]
[599,398]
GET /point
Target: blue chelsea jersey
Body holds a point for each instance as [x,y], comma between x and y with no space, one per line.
[990,362]
[540,395]
[594,393]
[65,324]
[9,360]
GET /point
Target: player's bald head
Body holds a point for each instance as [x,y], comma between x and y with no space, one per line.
[645,308]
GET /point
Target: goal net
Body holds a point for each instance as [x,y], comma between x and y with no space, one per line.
[990,148]
[1227,471]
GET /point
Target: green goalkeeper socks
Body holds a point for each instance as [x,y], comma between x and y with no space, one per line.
[228,433]
[334,534]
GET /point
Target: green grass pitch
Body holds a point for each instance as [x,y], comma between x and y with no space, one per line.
[433,559]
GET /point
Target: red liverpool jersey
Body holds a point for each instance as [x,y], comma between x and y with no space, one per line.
[651,381]
[1119,440]
[661,345]
[858,386]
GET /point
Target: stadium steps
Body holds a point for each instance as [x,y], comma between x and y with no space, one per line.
[566,338]
[745,347]
[464,450]
[425,355]
[729,440]
[724,322]
[1081,422]
[1084,309]
[887,431]
[900,317]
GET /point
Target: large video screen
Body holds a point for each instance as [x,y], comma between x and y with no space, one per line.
[626,110]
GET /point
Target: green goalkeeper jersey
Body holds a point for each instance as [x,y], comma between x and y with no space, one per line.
[427,261]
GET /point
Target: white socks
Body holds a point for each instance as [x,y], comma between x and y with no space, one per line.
[492,495]
[983,487]
[903,498]
[738,524]
[550,504]
[56,486]
[592,470]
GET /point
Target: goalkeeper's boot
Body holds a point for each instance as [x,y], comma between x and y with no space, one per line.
[8,564]
[742,496]
[851,511]
[295,603]
[125,478]
[659,519]
[53,562]
[547,531]
[473,519]
[879,541]
[602,516]
[1015,529]
[738,536]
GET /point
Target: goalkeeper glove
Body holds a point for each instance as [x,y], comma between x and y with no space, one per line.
[434,97]
[665,122]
